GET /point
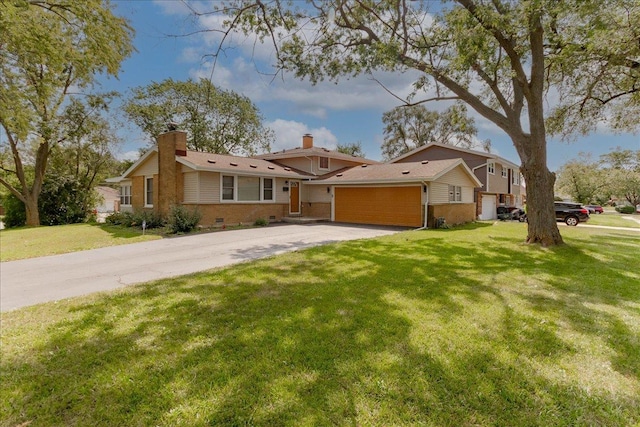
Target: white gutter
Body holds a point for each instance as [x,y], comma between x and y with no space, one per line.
[426,207]
[311,160]
[486,174]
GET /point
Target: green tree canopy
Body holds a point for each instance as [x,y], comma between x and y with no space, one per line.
[50,51]
[216,120]
[409,127]
[614,175]
[502,58]
[623,168]
[352,149]
[583,180]
[86,155]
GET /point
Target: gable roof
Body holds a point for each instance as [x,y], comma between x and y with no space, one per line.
[313,151]
[201,161]
[397,173]
[430,145]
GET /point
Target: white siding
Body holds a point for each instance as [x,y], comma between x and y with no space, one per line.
[456,176]
[209,188]
[439,192]
[149,167]
[316,194]
[281,196]
[191,187]
[467,194]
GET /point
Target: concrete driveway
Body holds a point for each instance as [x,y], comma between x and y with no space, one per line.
[37,280]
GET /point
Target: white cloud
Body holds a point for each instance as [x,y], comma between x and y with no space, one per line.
[289,135]
[132,155]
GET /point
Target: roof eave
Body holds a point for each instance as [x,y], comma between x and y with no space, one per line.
[138,162]
[416,180]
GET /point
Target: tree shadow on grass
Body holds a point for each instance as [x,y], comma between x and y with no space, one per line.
[120,232]
[372,332]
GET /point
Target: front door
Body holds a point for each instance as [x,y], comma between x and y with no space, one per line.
[294,197]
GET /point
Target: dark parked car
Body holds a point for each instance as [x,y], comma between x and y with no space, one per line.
[594,209]
[571,213]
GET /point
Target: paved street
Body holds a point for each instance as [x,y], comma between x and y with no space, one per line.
[32,281]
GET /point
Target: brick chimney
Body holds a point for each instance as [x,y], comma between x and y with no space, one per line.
[170,145]
[307,141]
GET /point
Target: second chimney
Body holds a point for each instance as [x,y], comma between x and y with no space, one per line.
[307,141]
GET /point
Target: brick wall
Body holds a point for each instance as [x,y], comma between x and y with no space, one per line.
[236,213]
[137,192]
[316,210]
[170,144]
[453,214]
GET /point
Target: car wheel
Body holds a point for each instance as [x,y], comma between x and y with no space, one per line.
[571,220]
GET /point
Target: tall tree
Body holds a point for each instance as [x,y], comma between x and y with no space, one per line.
[50,50]
[86,155]
[623,169]
[584,180]
[409,127]
[499,57]
[352,149]
[216,120]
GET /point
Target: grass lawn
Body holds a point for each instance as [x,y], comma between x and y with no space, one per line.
[20,243]
[614,219]
[459,327]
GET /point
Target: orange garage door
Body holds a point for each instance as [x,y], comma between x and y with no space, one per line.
[379,205]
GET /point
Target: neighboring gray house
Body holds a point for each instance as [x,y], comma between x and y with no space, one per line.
[502,183]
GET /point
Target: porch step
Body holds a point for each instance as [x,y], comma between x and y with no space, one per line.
[303,219]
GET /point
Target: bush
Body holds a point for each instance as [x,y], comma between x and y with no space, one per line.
[15,214]
[182,220]
[261,222]
[119,218]
[150,218]
[625,209]
[64,200]
[135,219]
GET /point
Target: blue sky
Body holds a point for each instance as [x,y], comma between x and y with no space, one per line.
[347,112]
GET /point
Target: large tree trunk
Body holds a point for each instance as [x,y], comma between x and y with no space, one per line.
[31,208]
[541,215]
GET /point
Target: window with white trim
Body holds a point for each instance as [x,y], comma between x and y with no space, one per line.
[248,188]
[125,195]
[455,193]
[504,172]
[148,191]
[228,185]
[267,189]
[243,188]
[491,167]
[323,163]
[515,178]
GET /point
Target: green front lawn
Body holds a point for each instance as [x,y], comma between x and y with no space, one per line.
[614,219]
[455,327]
[20,243]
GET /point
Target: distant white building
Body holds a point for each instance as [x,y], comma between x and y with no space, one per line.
[108,202]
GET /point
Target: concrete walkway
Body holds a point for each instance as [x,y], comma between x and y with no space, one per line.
[37,280]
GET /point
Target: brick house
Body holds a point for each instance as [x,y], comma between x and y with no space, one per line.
[306,181]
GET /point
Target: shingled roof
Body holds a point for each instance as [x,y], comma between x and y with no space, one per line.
[395,172]
[235,164]
[311,152]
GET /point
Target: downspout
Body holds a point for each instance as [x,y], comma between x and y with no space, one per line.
[486,164]
[311,160]
[426,207]
[486,174]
